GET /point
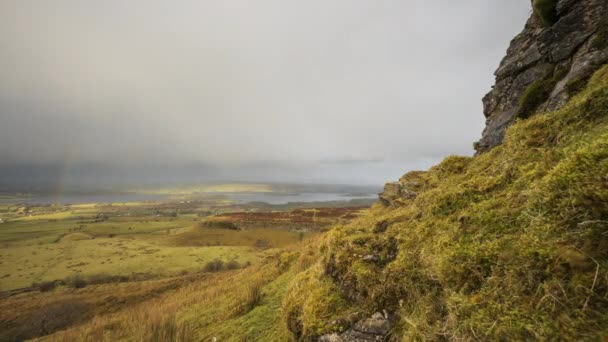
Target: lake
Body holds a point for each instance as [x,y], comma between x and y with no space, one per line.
[306,197]
[270,198]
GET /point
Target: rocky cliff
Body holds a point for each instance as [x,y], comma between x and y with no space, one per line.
[545,64]
[511,244]
[562,44]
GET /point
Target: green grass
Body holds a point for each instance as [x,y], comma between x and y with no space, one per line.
[208,307]
[256,237]
[538,92]
[508,245]
[263,322]
[21,266]
[55,243]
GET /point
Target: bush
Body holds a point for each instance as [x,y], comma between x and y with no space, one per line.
[76,282]
[45,286]
[220,225]
[232,265]
[214,266]
[103,278]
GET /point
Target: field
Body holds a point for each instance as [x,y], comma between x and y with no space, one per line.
[89,260]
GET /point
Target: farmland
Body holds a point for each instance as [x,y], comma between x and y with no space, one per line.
[99,258]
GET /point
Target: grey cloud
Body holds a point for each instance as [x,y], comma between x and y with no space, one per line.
[390,84]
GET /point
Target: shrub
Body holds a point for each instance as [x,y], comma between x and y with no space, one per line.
[220,225]
[103,278]
[45,286]
[215,265]
[232,265]
[76,282]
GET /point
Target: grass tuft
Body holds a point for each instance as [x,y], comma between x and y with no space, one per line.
[538,92]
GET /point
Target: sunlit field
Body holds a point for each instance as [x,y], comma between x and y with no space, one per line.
[123,260]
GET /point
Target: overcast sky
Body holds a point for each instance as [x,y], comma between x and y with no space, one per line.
[314,90]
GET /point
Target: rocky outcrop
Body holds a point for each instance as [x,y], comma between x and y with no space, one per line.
[545,65]
[405,189]
[375,328]
[393,192]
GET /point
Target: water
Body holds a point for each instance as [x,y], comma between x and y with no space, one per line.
[278,198]
[270,198]
[85,198]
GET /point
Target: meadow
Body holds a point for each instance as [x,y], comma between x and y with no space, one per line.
[85,261]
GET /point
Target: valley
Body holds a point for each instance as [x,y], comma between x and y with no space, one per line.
[79,254]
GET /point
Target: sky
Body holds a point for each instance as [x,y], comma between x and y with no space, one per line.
[346,91]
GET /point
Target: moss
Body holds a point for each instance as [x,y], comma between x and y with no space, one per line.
[508,245]
[538,92]
[546,11]
[576,189]
[600,40]
[313,305]
[452,165]
[577,84]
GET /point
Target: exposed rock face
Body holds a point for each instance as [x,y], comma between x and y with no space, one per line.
[545,65]
[372,329]
[405,189]
[394,191]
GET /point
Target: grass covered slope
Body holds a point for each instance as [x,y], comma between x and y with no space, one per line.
[511,244]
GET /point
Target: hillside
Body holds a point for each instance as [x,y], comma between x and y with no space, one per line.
[510,244]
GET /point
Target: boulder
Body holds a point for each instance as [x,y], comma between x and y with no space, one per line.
[548,59]
[394,191]
[375,328]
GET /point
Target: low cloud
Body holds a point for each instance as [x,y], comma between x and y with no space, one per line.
[374,87]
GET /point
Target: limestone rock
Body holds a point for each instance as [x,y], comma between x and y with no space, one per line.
[375,328]
[371,258]
[390,194]
[394,191]
[567,52]
[331,338]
